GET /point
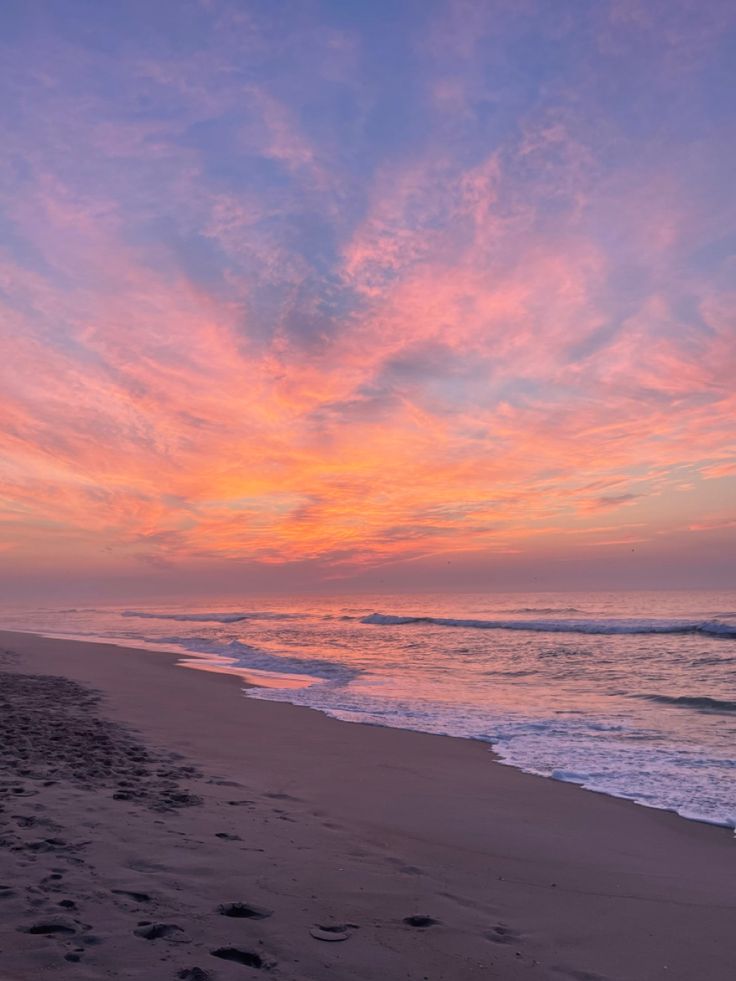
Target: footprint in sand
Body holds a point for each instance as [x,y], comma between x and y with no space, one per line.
[503,935]
[332,933]
[139,897]
[420,920]
[238,956]
[147,867]
[160,931]
[53,878]
[575,975]
[28,821]
[243,911]
[49,929]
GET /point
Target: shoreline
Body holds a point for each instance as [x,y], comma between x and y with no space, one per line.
[525,875]
[254,678]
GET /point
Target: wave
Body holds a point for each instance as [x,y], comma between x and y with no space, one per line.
[545,610]
[243,655]
[704,703]
[708,662]
[712,628]
[211,617]
[566,652]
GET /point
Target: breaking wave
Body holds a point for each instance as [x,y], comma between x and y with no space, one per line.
[545,610]
[711,628]
[704,703]
[211,617]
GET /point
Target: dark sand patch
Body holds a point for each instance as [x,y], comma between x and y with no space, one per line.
[50,729]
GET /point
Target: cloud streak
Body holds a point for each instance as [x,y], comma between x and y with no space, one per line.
[263,301]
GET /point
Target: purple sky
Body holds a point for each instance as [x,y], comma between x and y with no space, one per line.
[367,295]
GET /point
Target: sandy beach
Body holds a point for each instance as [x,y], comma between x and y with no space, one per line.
[157,824]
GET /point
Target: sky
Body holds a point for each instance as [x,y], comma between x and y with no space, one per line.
[359,294]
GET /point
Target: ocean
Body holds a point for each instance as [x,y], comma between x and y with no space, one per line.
[629,694]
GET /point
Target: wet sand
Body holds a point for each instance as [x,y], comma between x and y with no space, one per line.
[156,824]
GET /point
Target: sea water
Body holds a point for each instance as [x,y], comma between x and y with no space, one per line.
[631,694]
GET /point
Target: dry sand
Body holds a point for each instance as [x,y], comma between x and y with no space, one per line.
[156,824]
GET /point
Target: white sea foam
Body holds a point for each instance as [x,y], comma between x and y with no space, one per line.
[248,657]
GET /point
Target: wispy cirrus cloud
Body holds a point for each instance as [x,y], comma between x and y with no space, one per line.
[284,290]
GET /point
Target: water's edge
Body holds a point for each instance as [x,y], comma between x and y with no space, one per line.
[255,679]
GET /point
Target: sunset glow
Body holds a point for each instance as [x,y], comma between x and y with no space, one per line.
[353,291]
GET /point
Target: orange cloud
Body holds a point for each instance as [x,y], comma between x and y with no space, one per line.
[303,352]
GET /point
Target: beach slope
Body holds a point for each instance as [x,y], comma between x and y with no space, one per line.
[157,824]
